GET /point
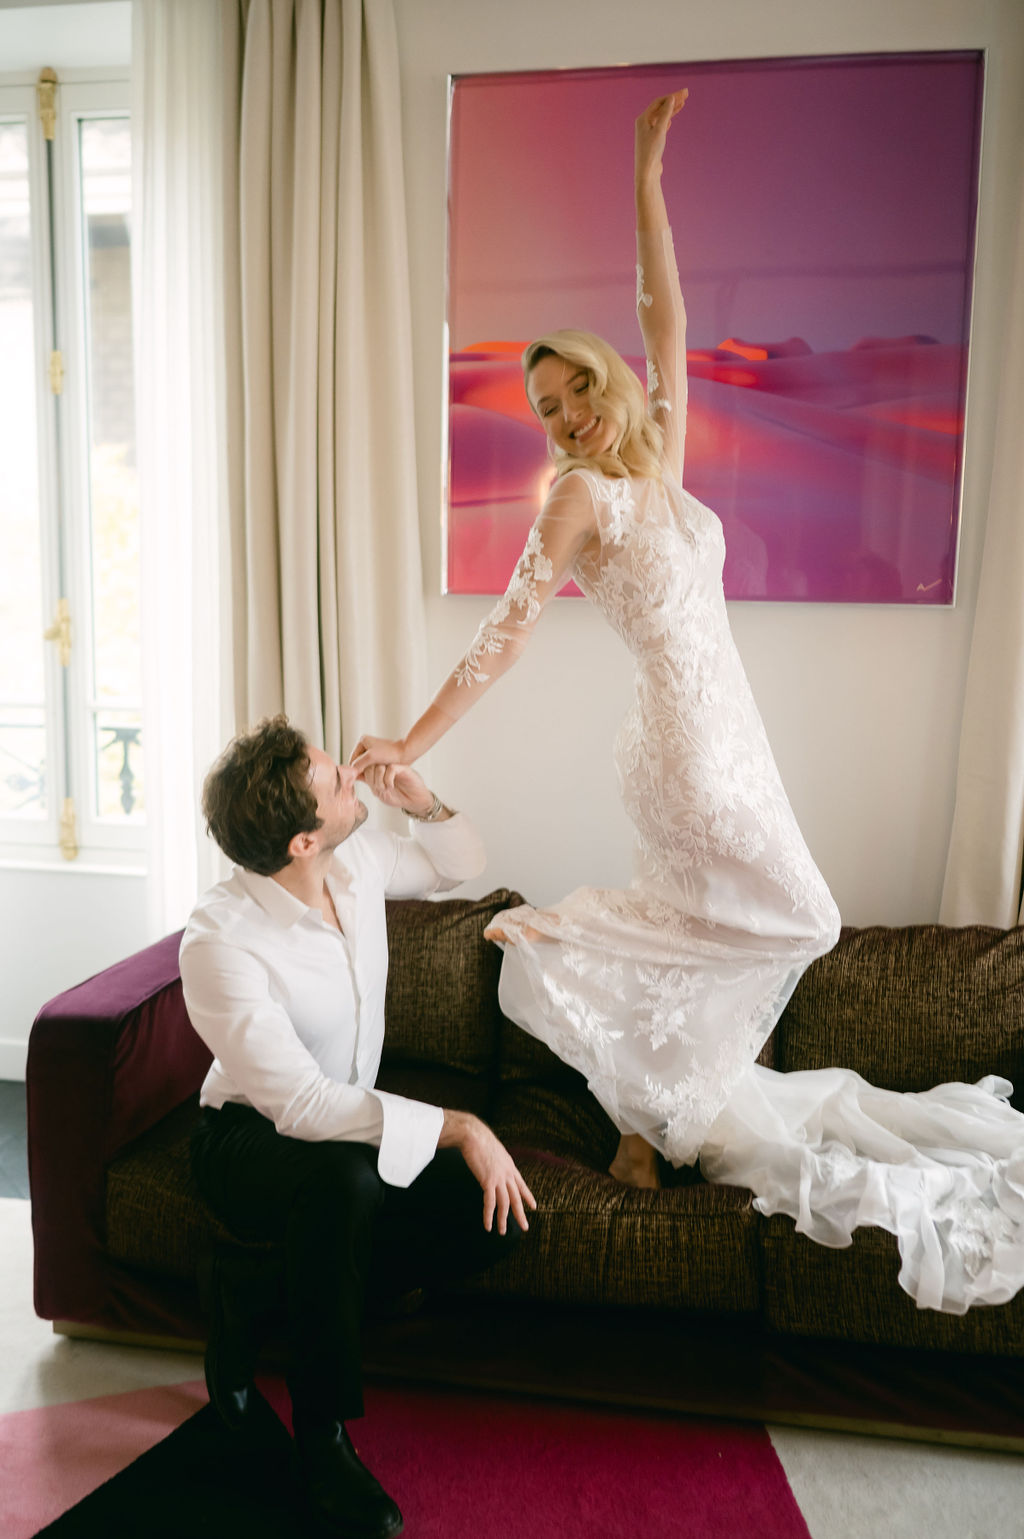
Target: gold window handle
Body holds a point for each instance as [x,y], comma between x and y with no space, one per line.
[60,631]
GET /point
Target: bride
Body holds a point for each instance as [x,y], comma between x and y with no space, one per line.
[663,994]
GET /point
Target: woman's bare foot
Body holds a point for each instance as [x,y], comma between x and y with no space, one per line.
[635,1163]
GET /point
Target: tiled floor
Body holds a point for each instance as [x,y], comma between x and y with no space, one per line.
[13,1159]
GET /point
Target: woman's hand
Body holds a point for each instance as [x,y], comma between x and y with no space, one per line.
[651,131]
[378,750]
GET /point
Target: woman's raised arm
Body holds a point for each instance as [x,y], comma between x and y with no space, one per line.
[659,299]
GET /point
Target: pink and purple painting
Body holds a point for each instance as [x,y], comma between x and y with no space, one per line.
[823,212]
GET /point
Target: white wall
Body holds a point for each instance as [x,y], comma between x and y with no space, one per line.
[863,704]
[57,929]
[86,34]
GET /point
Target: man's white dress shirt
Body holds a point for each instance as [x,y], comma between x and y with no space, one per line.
[293,1010]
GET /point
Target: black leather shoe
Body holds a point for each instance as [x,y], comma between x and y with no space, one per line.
[340,1491]
[239,1292]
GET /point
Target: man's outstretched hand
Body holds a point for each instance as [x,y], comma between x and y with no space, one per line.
[503,1187]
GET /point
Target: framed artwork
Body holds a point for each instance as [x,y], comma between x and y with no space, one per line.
[824,219]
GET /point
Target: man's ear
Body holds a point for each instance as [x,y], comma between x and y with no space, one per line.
[302,846]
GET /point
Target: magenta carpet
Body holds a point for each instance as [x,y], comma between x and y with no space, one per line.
[460,1465]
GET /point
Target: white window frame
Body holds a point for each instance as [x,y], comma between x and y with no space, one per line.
[102,843]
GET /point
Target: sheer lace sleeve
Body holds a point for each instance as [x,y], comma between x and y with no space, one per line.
[560,533]
[662,317]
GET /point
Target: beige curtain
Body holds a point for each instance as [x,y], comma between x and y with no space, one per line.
[327,589]
[178,301]
[984,871]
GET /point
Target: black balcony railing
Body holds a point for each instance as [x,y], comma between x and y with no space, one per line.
[24,779]
[23,776]
[128,738]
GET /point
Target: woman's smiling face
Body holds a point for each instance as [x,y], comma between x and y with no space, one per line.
[559,393]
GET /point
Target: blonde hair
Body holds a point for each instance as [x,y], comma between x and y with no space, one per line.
[615,394]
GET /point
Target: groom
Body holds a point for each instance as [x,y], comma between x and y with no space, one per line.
[284,968]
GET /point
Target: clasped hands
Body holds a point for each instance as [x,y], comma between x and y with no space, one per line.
[379,762]
[398,785]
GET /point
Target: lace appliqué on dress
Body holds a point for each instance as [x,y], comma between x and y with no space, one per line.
[695,1101]
[976,1231]
[654,401]
[644,301]
[669,996]
[613,505]
[532,568]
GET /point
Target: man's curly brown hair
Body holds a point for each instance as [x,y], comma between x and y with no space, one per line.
[256,798]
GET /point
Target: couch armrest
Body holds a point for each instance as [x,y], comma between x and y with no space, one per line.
[106,1061]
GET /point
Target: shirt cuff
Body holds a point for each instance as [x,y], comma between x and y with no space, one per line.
[454,846]
[408,1140]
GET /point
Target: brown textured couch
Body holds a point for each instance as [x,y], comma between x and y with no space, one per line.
[114,1070]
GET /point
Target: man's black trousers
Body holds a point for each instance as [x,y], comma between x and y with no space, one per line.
[343,1234]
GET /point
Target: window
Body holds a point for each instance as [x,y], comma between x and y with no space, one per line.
[72,774]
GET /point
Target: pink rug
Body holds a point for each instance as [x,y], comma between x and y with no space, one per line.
[460,1465]
[51,1458]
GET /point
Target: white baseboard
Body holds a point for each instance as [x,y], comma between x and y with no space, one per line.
[12,1058]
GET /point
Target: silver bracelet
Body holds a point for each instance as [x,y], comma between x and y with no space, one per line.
[436,809]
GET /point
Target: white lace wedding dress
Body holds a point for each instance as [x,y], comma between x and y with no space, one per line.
[663,994]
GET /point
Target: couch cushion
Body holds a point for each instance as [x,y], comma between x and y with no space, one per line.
[852,1295]
[557,1114]
[155,1217]
[439,1087]
[594,1241]
[911,1008]
[442,996]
